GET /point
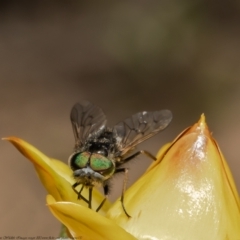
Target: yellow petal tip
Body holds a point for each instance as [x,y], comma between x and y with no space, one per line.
[5,138]
[50,200]
[202,118]
[10,139]
[200,126]
[202,121]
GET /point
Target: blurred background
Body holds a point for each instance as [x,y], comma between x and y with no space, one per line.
[125,56]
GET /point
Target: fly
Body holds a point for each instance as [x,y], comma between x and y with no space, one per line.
[100,152]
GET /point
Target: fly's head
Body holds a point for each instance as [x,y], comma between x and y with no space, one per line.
[91,169]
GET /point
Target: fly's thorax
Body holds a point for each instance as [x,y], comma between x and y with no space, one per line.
[94,162]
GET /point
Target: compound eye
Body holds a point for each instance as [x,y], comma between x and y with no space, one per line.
[103,152]
[79,160]
[99,163]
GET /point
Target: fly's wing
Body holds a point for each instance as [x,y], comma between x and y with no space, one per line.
[140,127]
[87,120]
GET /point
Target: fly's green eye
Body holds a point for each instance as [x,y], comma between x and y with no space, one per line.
[100,163]
[79,160]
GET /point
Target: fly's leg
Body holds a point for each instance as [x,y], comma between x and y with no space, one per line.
[138,153]
[125,170]
[106,192]
[90,197]
[79,193]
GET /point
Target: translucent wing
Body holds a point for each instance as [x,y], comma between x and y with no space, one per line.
[140,127]
[87,120]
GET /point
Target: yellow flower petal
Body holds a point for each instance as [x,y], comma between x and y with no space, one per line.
[55,175]
[86,224]
[189,195]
